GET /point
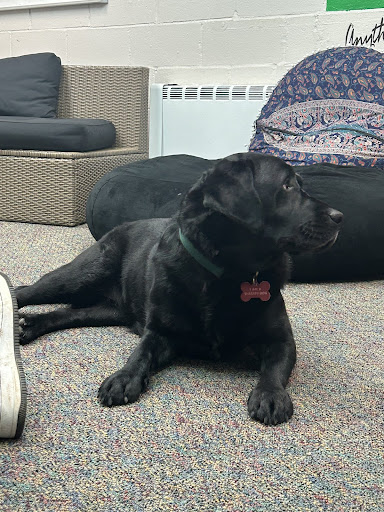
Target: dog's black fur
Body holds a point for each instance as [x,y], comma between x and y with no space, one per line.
[245,215]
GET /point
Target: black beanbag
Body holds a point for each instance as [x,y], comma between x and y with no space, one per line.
[146,189]
[358,253]
[154,188]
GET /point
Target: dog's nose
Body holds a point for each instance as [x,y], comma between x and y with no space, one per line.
[335,215]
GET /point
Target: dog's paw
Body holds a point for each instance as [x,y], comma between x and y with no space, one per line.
[121,388]
[270,405]
[28,330]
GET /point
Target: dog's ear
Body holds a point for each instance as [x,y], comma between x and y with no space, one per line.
[230,190]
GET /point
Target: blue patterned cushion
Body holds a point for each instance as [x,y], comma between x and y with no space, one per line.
[329,108]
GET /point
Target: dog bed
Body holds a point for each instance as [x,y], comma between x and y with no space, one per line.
[155,187]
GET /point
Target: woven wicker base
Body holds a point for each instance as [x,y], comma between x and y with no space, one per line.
[50,190]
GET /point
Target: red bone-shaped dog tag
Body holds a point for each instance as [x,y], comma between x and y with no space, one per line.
[255,291]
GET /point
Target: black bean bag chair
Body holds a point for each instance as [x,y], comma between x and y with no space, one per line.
[142,190]
[358,254]
[155,187]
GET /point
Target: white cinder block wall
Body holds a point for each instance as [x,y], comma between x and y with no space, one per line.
[187,41]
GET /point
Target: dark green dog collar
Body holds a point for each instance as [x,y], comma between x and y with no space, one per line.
[200,258]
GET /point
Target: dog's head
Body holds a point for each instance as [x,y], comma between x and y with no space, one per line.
[261,197]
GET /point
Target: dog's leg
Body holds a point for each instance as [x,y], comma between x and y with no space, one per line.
[269,402]
[126,385]
[35,325]
[77,281]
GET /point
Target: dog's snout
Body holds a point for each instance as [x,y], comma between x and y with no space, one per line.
[335,215]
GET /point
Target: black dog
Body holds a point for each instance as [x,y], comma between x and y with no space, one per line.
[189,285]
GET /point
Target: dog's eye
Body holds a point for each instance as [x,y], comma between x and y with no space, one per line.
[287,186]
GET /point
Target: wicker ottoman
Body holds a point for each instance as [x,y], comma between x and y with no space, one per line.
[53,189]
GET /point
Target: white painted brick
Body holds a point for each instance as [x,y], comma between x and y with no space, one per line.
[242,75]
[174,10]
[193,75]
[253,75]
[60,17]
[243,42]
[123,12]
[5,45]
[217,41]
[301,38]
[261,8]
[333,27]
[155,46]
[166,45]
[14,20]
[35,41]
[99,47]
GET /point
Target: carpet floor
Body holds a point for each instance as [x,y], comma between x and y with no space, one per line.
[188,443]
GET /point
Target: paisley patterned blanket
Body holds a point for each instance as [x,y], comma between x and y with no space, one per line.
[328,108]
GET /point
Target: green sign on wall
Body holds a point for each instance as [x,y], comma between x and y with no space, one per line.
[353,5]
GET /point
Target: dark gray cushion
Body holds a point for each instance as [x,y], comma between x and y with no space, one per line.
[29,85]
[55,134]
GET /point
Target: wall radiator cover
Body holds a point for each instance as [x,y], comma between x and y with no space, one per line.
[210,121]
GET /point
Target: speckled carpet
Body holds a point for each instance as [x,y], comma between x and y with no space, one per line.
[188,444]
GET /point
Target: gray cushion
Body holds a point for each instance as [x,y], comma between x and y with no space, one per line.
[55,134]
[29,85]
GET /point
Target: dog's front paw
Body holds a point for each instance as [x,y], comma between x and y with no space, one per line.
[270,405]
[121,388]
[28,328]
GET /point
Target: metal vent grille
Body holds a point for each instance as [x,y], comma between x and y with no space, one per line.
[206,93]
[191,93]
[217,92]
[176,92]
[222,92]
